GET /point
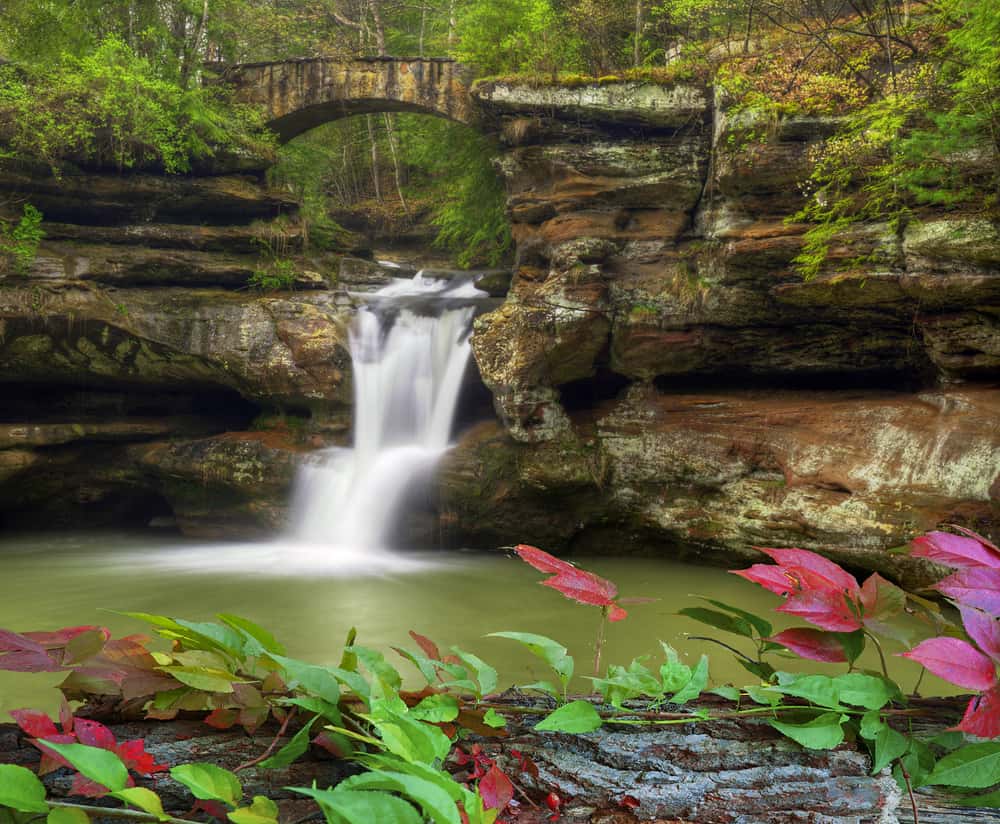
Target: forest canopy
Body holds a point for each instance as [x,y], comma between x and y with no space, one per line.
[121,83]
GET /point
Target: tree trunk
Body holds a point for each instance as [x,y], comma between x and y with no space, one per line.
[735,770]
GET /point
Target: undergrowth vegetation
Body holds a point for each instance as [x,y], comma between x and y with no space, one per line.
[418,762]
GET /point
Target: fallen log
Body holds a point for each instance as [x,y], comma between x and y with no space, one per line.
[731,771]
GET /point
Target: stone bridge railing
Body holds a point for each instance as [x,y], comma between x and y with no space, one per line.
[301,94]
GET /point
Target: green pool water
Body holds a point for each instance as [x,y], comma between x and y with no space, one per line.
[309,598]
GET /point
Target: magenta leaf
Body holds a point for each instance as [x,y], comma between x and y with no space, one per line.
[982,716]
[983,629]
[956,661]
[576,584]
[772,578]
[826,609]
[496,789]
[813,644]
[814,571]
[12,642]
[94,734]
[975,587]
[956,550]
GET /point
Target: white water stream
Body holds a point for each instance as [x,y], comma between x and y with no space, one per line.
[409,349]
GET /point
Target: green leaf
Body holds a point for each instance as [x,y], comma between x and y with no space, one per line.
[822,733]
[376,664]
[576,716]
[262,811]
[761,669]
[362,807]
[209,782]
[436,803]
[142,799]
[259,639]
[869,691]
[102,766]
[674,674]
[320,681]
[21,790]
[493,719]
[889,745]
[871,724]
[817,689]
[853,643]
[426,666]
[552,652]
[409,739]
[436,708]
[543,686]
[65,815]
[694,687]
[203,678]
[987,800]
[719,620]
[84,646]
[297,746]
[484,673]
[762,695]
[762,626]
[975,766]
[317,706]
[728,692]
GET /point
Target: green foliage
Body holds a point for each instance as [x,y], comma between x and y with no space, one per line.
[274,275]
[19,243]
[111,108]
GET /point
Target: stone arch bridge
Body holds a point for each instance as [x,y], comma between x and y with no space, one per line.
[300,94]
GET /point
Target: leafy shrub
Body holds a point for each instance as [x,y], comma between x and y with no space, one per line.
[276,274]
[19,243]
[111,109]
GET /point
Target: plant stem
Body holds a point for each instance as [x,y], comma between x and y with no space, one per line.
[920,678]
[909,790]
[114,812]
[600,642]
[881,654]
[271,747]
[733,650]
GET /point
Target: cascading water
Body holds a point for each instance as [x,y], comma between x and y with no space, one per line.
[409,349]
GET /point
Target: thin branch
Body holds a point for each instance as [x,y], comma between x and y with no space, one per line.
[271,747]
[115,812]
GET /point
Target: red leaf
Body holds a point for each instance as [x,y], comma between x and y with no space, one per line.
[812,644]
[133,754]
[576,584]
[50,758]
[617,613]
[216,809]
[66,715]
[955,550]
[95,734]
[956,661]
[331,745]
[813,571]
[430,649]
[629,801]
[34,723]
[975,587]
[825,609]
[982,716]
[772,578]
[983,629]
[28,661]
[250,718]
[495,789]
[222,719]
[87,788]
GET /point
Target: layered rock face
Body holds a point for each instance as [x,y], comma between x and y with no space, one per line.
[667,381]
[135,356]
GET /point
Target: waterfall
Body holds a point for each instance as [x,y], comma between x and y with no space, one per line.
[409,350]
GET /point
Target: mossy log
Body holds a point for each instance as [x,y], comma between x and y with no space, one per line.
[738,771]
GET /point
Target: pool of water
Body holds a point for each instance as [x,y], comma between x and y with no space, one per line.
[310,596]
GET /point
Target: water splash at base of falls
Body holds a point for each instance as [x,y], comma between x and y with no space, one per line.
[409,350]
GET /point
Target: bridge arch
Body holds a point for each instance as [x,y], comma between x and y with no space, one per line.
[298,95]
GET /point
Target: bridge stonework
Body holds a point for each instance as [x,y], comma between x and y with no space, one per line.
[299,95]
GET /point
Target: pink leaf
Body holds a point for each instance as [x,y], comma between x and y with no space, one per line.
[812,644]
[977,537]
[94,734]
[955,550]
[616,613]
[542,560]
[956,661]
[983,629]
[814,571]
[50,758]
[495,789]
[772,578]
[61,637]
[28,661]
[34,723]
[982,716]
[12,642]
[826,609]
[576,584]
[975,587]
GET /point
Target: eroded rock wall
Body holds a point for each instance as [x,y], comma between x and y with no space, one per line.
[669,383]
